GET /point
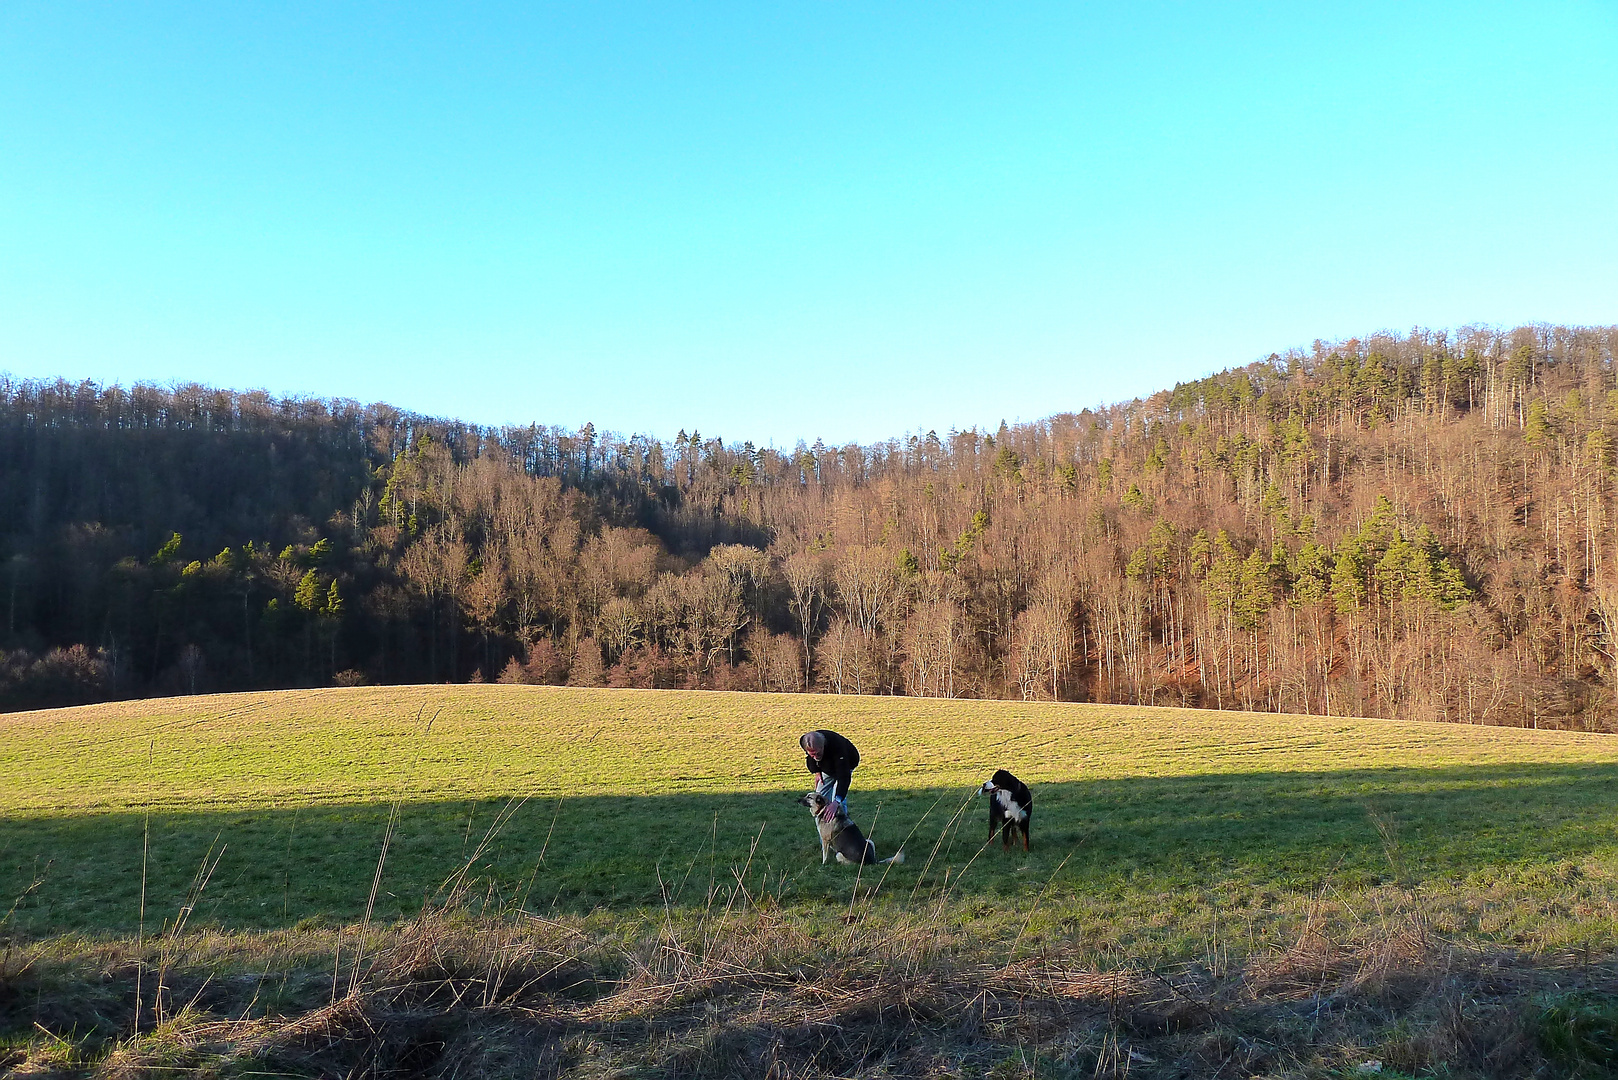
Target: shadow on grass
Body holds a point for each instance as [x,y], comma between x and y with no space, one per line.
[1270,833]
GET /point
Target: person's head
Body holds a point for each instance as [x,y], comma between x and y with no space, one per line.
[813,743]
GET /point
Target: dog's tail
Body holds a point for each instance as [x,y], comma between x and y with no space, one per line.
[896,857]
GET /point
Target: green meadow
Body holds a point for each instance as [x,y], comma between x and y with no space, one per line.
[1154,829]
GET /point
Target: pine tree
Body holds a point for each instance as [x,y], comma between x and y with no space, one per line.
[308,593]
[1348,579]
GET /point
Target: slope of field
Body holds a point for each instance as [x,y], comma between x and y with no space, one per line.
[1150,824]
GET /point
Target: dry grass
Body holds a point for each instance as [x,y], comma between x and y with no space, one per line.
[754,992]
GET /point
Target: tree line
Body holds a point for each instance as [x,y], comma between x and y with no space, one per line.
[1415,526]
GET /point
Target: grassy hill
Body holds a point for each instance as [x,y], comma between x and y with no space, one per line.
[592,883]
[1150,824]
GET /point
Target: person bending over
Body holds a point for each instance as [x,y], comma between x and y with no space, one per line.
[832,759]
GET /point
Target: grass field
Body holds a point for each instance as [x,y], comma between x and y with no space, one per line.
[1161,836]
[1155,817]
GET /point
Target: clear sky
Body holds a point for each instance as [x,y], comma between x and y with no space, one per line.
[772,221]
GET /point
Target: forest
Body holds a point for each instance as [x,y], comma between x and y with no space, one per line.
[1413,526]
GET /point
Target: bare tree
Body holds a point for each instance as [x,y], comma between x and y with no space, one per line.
[806,585]
[436,566]
[866,585]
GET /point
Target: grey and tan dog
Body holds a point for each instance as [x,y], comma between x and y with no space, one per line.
[842,836]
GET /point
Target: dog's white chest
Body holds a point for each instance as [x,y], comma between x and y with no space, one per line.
[1009,806]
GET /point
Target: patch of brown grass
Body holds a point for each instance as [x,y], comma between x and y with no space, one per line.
[761,992]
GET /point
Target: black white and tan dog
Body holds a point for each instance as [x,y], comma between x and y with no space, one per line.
[1011,807]
[842,836]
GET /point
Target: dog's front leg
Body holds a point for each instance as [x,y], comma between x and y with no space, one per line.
[822,849]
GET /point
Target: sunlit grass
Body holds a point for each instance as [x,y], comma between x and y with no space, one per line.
[1153,828]
[301,747]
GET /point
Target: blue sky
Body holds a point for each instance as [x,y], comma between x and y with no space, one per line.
[774,221]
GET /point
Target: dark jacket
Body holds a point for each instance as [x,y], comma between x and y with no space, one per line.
[838,761]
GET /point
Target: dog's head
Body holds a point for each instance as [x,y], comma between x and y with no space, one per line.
[1000,781]
[817,803]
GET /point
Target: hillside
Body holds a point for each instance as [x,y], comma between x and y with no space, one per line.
[599,792]
[1409,526]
